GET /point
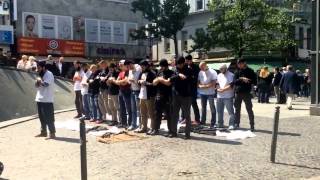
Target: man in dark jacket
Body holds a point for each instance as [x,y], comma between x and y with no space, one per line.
[61,68]
[182,96]
[289,85]
[164,95]
[244,79]
[195,73]
[147,98]
[276,83]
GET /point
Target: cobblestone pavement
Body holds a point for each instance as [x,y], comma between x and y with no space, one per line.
[202,157]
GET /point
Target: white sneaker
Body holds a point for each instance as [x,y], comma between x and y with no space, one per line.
[231,128]
[131,128]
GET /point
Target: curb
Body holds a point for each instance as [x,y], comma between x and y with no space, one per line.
[13,122]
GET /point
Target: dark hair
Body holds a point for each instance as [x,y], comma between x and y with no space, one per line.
[181,60]
[128,62]
[77,62]
[163,63]
[189,57]
[241,60]
[277,69]
[30,16]
[144,63]
[112,65]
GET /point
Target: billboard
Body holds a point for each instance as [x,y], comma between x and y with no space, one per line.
[106,31]
[47,26]
[41,46]
[118,33]
[30,24]
[92,30]
[130,28]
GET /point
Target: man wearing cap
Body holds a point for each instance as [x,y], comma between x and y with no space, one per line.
[206,87]
[124,94]
[182,96]
[225,96]
[164,96]
[147,98]
[44,98]
[195,73]
[244,79]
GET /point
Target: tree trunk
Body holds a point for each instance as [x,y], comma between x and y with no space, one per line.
[175,41]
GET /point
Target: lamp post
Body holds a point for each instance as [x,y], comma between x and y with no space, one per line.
[315,109]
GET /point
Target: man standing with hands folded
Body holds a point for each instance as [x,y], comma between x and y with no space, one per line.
[244,79]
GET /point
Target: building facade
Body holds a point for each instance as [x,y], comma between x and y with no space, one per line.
[90,28]
[6,29]
[200,15]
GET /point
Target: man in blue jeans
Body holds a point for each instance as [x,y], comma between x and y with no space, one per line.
[134,74]
[206,88]
[225,96]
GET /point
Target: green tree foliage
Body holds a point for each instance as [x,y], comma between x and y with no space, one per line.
[201,41]
[168,18]
[248,25]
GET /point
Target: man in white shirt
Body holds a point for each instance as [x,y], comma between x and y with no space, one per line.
[84,92]
[44,99]
[134,74]
[225,96]
[77,78]
[206,87]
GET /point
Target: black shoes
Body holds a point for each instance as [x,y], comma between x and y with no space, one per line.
[153,132]
[172,135]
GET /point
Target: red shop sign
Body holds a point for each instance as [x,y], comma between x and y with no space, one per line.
[41,46]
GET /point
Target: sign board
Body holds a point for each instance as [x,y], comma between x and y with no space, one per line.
[4,7]
[6,34]
[41,46]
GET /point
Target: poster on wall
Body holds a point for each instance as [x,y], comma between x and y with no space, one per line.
[48,26]
[92,30]
[78,28]
[118,33]
[65,30]
[105,31]
[130,28]
[30,24]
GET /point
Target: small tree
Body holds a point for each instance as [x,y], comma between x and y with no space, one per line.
[167,17]
[201,41]
[247,25]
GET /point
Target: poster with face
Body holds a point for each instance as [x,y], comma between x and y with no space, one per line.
[105,31]
[91,32]
[130,28]
[30,24]
[48,26]
[118,33]
[65,30]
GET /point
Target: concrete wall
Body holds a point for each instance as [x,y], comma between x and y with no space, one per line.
[17,94]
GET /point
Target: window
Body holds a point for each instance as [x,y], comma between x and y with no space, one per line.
[166,45]
[199,5]
[301,37]
[309,38]
[184,40]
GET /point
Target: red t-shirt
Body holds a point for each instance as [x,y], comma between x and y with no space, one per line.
[123,75]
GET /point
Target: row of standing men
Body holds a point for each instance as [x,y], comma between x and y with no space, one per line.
[129,92]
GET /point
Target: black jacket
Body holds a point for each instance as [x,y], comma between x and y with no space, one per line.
[183,87]
[277,79]
[265,83]
[195,73]
[95,85]
[240,86]
[113,88]
[163,90]
[103,84]
[151,90]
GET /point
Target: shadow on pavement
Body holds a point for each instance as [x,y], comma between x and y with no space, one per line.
[69,140]
[300,166]
[280,133]
[211,140]
[3,178]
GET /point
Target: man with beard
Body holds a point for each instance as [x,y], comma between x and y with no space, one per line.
[77,78]
[182,96]
[163,96]
[194,87]
[147,98]
[44,98]
[103,96]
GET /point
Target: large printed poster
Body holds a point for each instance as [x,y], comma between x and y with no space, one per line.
[65,27]
[48,26]
[118,33]
[30,24]
[92,30]
[106,31]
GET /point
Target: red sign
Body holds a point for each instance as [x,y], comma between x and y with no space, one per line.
[40,46]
